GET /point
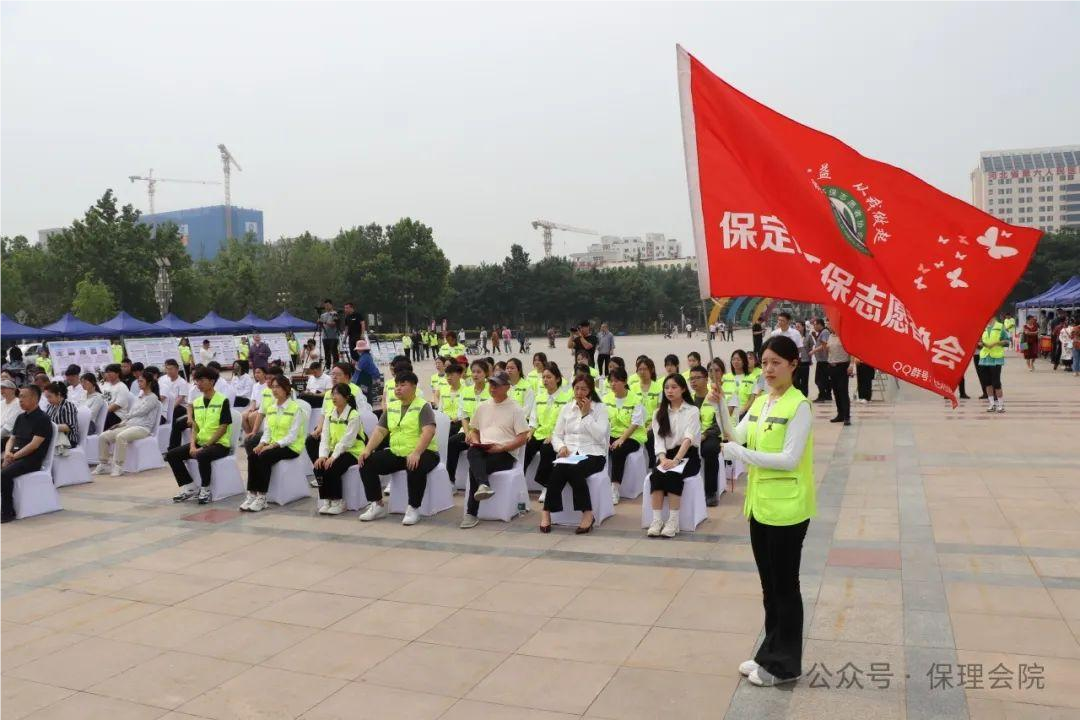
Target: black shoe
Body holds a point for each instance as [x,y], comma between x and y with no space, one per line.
[983,397]
[7,518]
[847,423]
[965,397]
[823,400]
[837,419]
[713,500]
[585,530]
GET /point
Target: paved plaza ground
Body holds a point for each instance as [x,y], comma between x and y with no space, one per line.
[941,579]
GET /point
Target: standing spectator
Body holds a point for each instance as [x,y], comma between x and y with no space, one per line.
[822,377]
[1057,352]
[520,338]
[495,340]
[841,368]
[185,355]
[63,413]
[355,326]
[406,346]
[483,339]
[722,330]
[585,342]
[605,348]
[25,449]
[260,352]
[992,346]
[758,332]
[864,379]
[689,330]
[206,353]
[328,321]
[551,337]
[1029,342]
[506,336]
[1074,335]
[801,376]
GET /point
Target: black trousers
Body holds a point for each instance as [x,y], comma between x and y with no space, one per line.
[454,447]
[176,434]
[710,459]
[203,456]
[778,552]
[384,462]
[801,378]
[650,448]
[672,483]
[311,445]
[577,477]
[330,478]
[241,402]
[864,377]
[547,457]
[601,364]
[618,458]
[7,484]
[481,466]
[260,466]
[330,351]
[839,377]
[823,380]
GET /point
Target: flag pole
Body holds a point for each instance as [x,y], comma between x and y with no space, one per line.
[708,330]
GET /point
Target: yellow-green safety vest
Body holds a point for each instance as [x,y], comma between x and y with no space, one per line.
[707,413]
[337,430]
[779,497]
[405,429]
[243,351]
[438,383]
[994,334]
[328,402]
[185,354]
[406,342]
[620,417]
[208,420]
[727,384]
[117,353]
[448,351]
[650,399]
[280,419]
[450,400]
[520,391]
[46,365]
[548,413]
[266,399]
[470,399]
[535,379]
[294,347]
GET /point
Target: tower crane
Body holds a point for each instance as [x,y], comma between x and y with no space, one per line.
[226,161]
[548,226]
[151,184]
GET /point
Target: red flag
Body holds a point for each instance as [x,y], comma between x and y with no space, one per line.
[909,274]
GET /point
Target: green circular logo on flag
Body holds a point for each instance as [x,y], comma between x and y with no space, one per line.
[850,216]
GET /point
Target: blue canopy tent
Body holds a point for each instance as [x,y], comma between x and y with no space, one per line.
[171,324]
[128,326]
[12,330]
[1042,297]
[1063,294]
[285,321]
[254,323]
[214,324]
[70,326]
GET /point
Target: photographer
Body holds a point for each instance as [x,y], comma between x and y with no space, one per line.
[328,321]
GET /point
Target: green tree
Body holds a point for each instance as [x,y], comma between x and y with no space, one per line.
[93,301]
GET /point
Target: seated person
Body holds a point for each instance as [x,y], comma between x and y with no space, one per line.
[25,449]
[497,429]
[472,394]
[241,384]
[258,409]
[282,439]
[63,413]
[450,404]
[410,424]
[340,444]
[140,422]
[677,429]
[339,374]
[317,384]
[211,438]
[581,429]
[550,399]
[10,406]
[626,414]
[259,395]
[710,434]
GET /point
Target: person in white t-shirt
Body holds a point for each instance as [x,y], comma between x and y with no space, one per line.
[75,392]
[173,390]
[206,353]
[785,328]
[117,396]
[318,383]
[241,384]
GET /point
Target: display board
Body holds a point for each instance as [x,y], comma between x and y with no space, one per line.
[224,347]
[90,355]
[153,351]
[383,352]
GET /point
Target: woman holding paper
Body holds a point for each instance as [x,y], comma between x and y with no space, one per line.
[677,441]
[580,441]
[778,434]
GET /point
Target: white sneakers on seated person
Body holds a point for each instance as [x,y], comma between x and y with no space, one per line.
[101,468]
[671,527]
[186,493]
[412,516]
[483,492]
[746,667]
[656,525]
[469,521]
[374,512]
[614,493]
[254,502]
[331,507]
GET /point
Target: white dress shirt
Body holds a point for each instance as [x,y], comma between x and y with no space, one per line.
[76,394]
[582,434]
[685,425]
[318,385]
[798,432]
[352,429]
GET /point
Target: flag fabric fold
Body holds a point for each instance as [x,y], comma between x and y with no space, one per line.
[909,275]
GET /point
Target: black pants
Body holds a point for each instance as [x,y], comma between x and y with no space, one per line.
[454,447]
[710,458]
[330,478]
[839,378]
[650,449]
[601,364]
[260,466]
[672,483]
[481,466]
[241,402]
[801,378]
[823,380]
[203,456]
[7,484]
[176,435]
[577,476]
[384,462]
[311,445]
[864,377]
[315,401]
[777,552]
[330,351]
[547,457]
[991,377]
[618,458]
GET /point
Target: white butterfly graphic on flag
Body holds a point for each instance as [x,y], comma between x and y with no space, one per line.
[954,279]
[989,239]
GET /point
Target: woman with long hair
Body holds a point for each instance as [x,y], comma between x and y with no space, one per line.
[650,390]
[282,439]
[626,415]
[93,401]
[340,444]
[677,432]
[779,448]
[521,390]
[550,399]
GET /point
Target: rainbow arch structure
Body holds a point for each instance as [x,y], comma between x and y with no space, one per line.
[743,309]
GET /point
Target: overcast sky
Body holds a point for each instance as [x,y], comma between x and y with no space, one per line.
[478,118]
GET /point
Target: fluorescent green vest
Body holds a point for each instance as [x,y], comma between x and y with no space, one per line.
[438,383]
[470,399]
[727,384]
[405,429]
[535,380]
[994,334]
[243,351]
[117,353]
[328,402]
[650,399]
[620,417]
[337,430]
[746,387]
[450,400]
[46,365]
[294,347]
[406,342]
[185,354]
[208,420]
[279,419]
[451,351]
[547,413]
[519,391]
[267,400]
[707,413]
[779,497]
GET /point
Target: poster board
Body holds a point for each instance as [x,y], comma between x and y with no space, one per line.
[90,355]
[224,347]
[385,351]
[153,351]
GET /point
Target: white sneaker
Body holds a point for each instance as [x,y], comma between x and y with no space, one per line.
[412,516]
[656,526]
[1001,407]
[186,493]
[543,496]
[336,507]
[614,493]
[313,482]
[483,492]
[671,527]
[116,471]
[324,505]
[763,678]
[248,499]
[469,521]
[374,512]
[747,667]
[204,495]
[259,503]
[102,468]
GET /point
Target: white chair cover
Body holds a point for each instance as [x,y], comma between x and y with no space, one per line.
[600,494]
[692,510]
[34,493]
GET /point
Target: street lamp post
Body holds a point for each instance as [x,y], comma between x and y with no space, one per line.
[163,286]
